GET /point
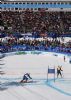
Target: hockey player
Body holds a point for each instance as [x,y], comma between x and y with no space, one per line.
[26,78]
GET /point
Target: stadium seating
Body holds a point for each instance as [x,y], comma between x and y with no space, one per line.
[41,22]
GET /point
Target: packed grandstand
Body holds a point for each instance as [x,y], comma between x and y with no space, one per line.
[23,22]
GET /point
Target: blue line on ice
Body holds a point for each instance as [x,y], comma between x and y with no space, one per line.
[10,78]
[57,88]
[17,80]
[44,83]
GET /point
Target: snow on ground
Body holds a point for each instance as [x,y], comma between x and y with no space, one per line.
[14,68]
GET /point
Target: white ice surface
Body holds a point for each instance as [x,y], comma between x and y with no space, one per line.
[14,68]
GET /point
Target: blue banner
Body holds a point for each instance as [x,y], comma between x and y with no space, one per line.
[51,71]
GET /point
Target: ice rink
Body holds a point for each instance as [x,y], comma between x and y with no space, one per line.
[13,68]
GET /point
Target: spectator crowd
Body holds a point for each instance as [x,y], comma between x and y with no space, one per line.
[41,22]
[47,44]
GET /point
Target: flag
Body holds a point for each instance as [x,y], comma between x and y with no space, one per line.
[51,70]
